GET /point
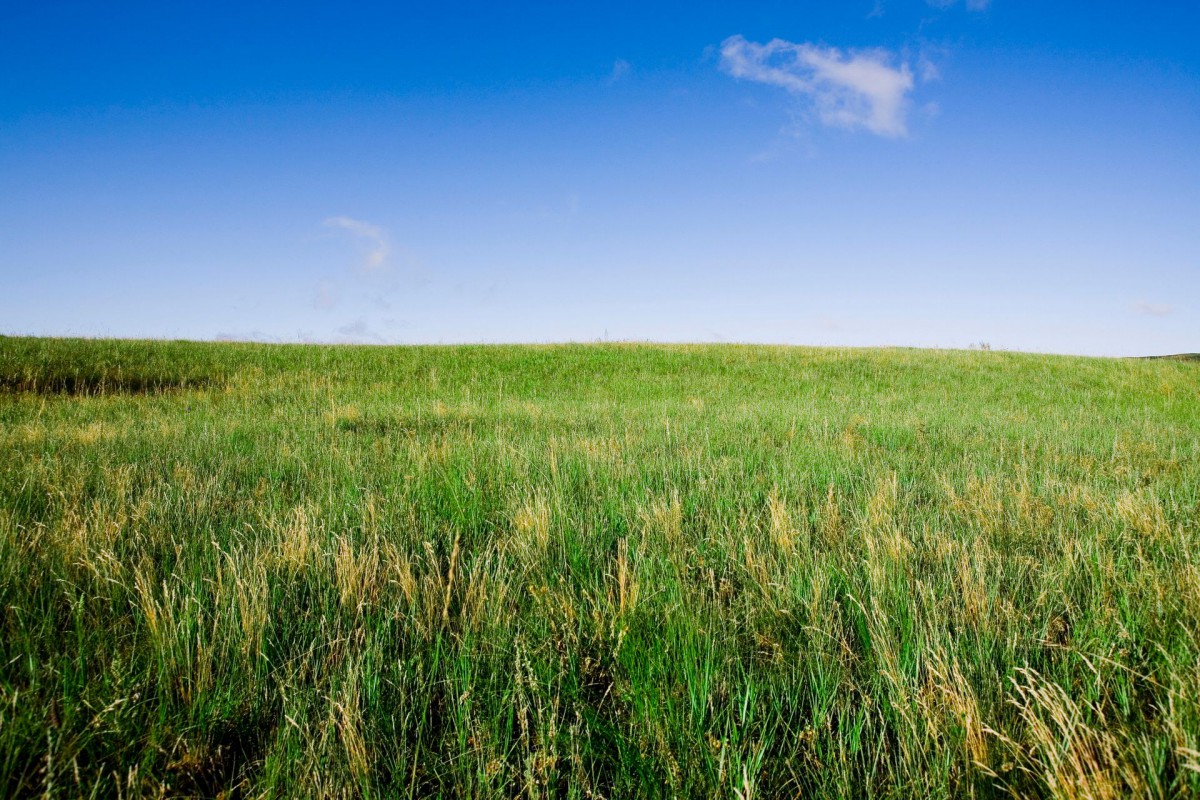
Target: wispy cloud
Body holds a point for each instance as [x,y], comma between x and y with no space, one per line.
[972,5]
[327,296]
[373,238]
[1153,309]
[247,336]
[877,10]
[620,69]
[848,89]
[375,285]
[358,332]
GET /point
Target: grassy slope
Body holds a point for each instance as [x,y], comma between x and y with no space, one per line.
[596,570]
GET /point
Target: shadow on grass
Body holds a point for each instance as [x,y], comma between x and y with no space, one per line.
[98,383]
[1176,357]
[81,367]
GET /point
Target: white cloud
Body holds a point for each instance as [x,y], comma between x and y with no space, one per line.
[1153,309]
[848,89]
[373,237]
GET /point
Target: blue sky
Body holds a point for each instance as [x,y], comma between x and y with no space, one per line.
[883,172]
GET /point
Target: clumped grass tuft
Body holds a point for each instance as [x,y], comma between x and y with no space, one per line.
[596,571]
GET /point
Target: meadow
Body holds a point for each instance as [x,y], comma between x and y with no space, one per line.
[588,571]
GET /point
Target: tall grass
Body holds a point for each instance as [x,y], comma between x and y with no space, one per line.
[596,571]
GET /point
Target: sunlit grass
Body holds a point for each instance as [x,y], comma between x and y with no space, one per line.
[585,571]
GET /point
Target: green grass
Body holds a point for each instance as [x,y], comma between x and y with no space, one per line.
[596,571]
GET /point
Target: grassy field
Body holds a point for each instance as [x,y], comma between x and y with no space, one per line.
[596,571]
